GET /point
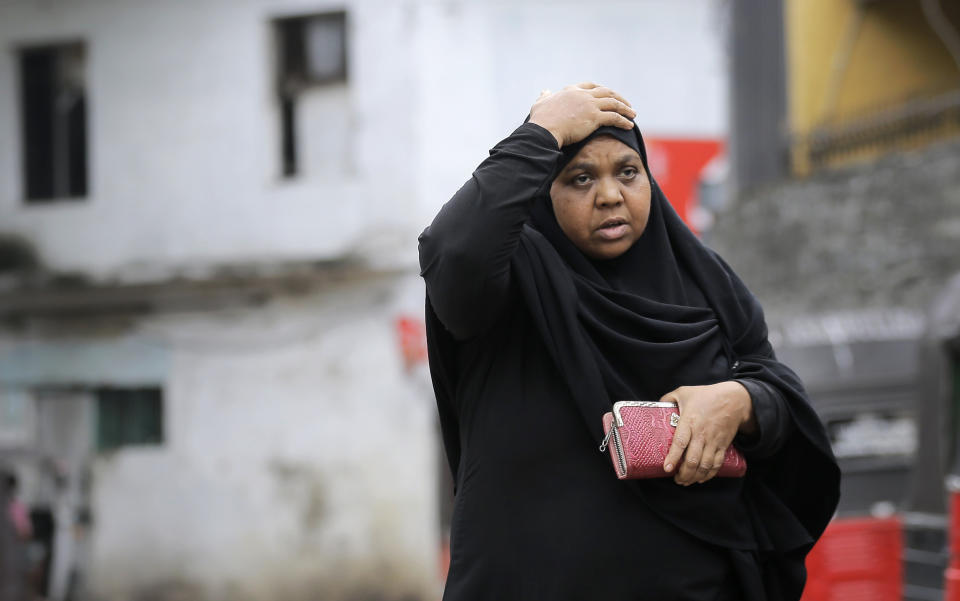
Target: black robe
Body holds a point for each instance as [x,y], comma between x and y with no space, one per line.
[529,342]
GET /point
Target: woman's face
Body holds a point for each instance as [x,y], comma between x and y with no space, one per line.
[602,198]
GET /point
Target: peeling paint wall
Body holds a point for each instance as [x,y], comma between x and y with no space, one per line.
[299,457]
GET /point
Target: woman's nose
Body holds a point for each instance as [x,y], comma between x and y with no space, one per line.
[608,193]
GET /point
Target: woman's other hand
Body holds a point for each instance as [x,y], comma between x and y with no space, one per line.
[576,111]
[710,416]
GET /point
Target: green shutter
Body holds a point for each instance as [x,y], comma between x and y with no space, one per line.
[129,416]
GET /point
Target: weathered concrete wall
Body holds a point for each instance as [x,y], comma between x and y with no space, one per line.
[299,459]
[881,235]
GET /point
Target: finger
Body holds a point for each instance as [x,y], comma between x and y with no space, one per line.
[615,119]
[706,463]
[612,104]
[717,462]
[681,438]
[704,472]
[604,92]
[673,396]
[687,474]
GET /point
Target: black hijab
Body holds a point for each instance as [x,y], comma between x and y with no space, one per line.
[667,313]
[645,317]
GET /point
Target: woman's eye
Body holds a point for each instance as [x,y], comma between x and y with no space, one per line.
[629,172]
[581,179]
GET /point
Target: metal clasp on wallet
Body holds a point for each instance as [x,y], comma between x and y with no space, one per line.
[606,439]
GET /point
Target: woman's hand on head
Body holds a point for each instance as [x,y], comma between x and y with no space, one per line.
[710,416]
[576,111]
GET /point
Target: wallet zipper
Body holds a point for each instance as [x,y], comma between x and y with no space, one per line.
[619,448]
[614,434]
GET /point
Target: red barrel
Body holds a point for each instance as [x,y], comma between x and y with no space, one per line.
[857,559]
[951,576]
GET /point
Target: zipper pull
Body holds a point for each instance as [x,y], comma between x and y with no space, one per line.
[606,439]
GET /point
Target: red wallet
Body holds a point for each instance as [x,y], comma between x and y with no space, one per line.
[639,433]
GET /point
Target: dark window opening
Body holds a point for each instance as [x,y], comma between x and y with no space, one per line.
[129,416]
[54,122]
[288,133]
[311,52]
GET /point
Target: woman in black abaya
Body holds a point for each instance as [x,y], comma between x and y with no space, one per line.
[559,280]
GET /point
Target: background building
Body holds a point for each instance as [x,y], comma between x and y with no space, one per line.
[845,221]
[209,377]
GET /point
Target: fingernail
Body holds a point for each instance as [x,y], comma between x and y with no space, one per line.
[668,467]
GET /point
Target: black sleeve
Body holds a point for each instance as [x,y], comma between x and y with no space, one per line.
[465,253]
[774,423]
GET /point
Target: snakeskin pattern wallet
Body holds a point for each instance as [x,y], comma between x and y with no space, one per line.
[638,435]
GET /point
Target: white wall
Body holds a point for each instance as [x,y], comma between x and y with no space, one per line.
[485,62]
[184,137]
[299,457]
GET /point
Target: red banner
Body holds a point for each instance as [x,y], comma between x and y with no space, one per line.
[677,165]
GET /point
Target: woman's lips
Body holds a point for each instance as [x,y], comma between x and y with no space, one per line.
[614,231]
